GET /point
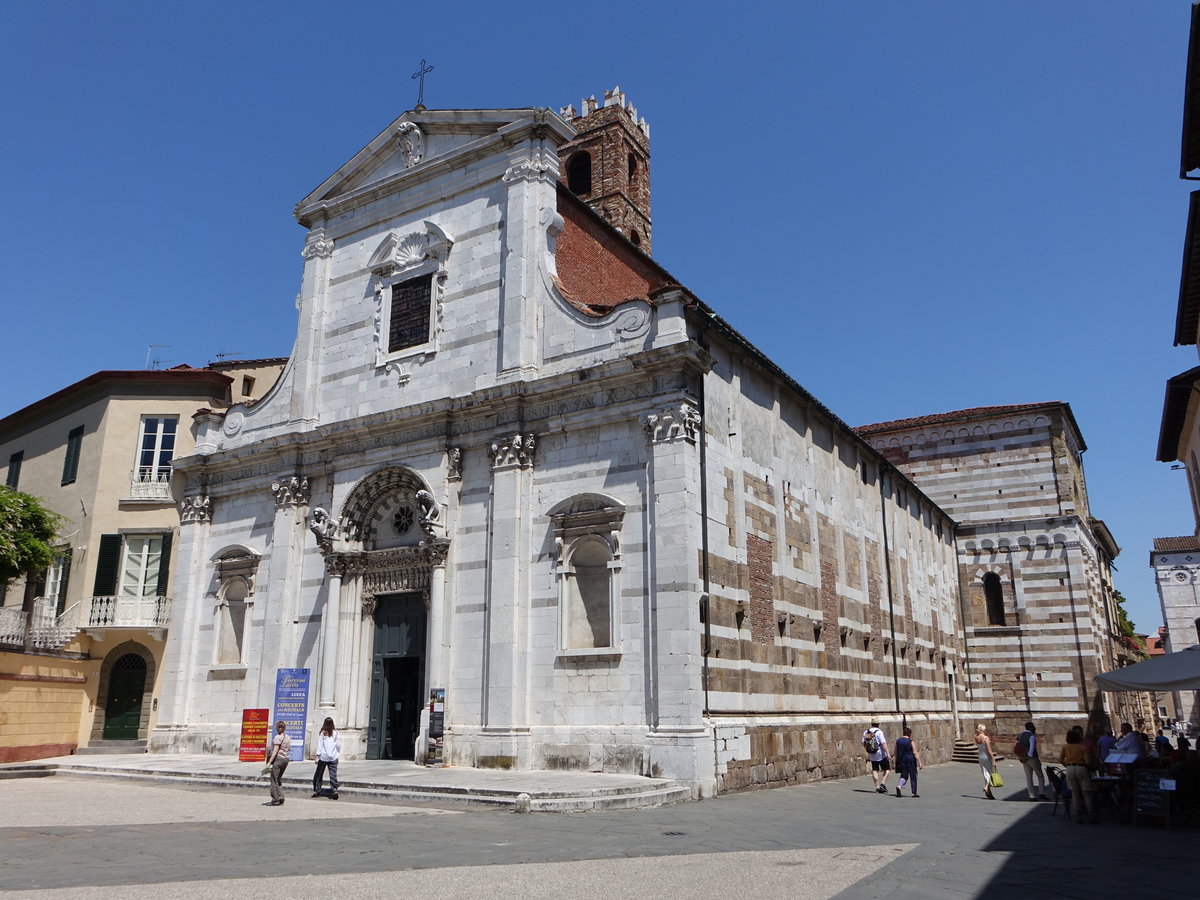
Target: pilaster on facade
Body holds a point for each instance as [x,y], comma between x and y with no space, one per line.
[673,480]
[506,693]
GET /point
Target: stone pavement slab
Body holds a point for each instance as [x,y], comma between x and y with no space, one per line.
[804,841]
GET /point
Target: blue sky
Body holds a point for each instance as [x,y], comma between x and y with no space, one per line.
[911,207]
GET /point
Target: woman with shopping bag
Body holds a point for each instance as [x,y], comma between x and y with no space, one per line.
[987,762]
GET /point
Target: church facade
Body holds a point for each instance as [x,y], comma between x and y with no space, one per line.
[511,459]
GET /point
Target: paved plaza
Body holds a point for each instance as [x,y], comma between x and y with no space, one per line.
[80,836]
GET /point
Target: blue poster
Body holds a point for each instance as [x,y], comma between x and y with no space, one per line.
[291,707]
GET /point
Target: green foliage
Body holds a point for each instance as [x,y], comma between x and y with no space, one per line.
[27,531]
[1125,627]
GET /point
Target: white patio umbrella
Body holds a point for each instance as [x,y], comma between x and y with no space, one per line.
[1172,672]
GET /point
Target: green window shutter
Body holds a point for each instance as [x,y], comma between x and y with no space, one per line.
[164,565]
[65,580]
[108,565]
[71,461]
[14,469]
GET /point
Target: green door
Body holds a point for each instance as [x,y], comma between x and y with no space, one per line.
[123,711]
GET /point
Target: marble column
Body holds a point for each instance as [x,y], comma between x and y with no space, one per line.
[331,621]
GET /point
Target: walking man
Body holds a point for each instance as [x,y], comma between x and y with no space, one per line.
[877,752]
[1026,750]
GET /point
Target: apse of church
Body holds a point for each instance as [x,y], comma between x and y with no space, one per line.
[509,458]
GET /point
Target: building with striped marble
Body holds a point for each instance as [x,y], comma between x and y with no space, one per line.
[1034,564]
[512,459]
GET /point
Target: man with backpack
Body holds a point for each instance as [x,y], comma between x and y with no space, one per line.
[1026,750]
[876,746]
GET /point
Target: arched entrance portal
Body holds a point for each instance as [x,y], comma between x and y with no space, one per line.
[388,554]
[123,708]
[397,676]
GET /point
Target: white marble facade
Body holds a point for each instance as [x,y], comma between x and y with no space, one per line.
[508,506]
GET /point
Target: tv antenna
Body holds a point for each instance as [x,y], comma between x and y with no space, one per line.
[150,348]
[229,354]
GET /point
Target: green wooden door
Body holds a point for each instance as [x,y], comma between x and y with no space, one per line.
[123,711]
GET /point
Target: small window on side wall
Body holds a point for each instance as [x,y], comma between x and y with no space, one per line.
[587,539]
[993,596]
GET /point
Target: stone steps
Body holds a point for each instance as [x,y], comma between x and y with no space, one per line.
[652,794]
[110,747]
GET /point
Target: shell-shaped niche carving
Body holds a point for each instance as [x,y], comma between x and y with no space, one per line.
[397,252]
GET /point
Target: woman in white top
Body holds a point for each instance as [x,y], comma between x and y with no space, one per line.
[329,748]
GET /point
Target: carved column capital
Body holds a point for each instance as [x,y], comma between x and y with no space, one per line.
[196,508]
[675,423]
[516,450]
[335,564]
[317,246]
[290,491]
[436,552]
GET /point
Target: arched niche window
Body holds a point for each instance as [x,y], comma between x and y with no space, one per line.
[579,173]
[587,619]
[632,167]
[587,539]
[232,621]
[236,570]
[993,596]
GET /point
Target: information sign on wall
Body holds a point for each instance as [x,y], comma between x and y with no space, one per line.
[291,707]
[255,725]
[437,727]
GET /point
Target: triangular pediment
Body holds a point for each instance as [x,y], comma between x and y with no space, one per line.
[418,140]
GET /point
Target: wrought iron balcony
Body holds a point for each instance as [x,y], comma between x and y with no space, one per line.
[150,483]
[128,612]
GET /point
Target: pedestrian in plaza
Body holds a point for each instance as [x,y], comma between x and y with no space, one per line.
[281,751]
[1184,744]
[1026,750]
[329,750]
[876,746]
[1073,756]
[908,762]
[1130,741]
[1105,744]
[1162,744]
[987,759]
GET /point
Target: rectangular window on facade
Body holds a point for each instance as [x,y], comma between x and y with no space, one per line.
[156,449]
[71,460]
[408,318]
[247,385]
[14,469]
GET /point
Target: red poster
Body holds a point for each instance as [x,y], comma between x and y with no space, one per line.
[255,724]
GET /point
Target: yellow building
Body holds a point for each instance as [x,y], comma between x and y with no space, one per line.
[81,643]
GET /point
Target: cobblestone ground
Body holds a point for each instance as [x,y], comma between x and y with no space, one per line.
[77,837]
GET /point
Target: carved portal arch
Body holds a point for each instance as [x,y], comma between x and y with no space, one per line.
[391,507]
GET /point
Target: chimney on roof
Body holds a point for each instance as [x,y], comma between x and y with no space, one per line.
[607,163]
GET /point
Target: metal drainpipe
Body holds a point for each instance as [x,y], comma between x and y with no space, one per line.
[887,564]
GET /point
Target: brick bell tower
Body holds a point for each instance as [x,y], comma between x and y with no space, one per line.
[607,165]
